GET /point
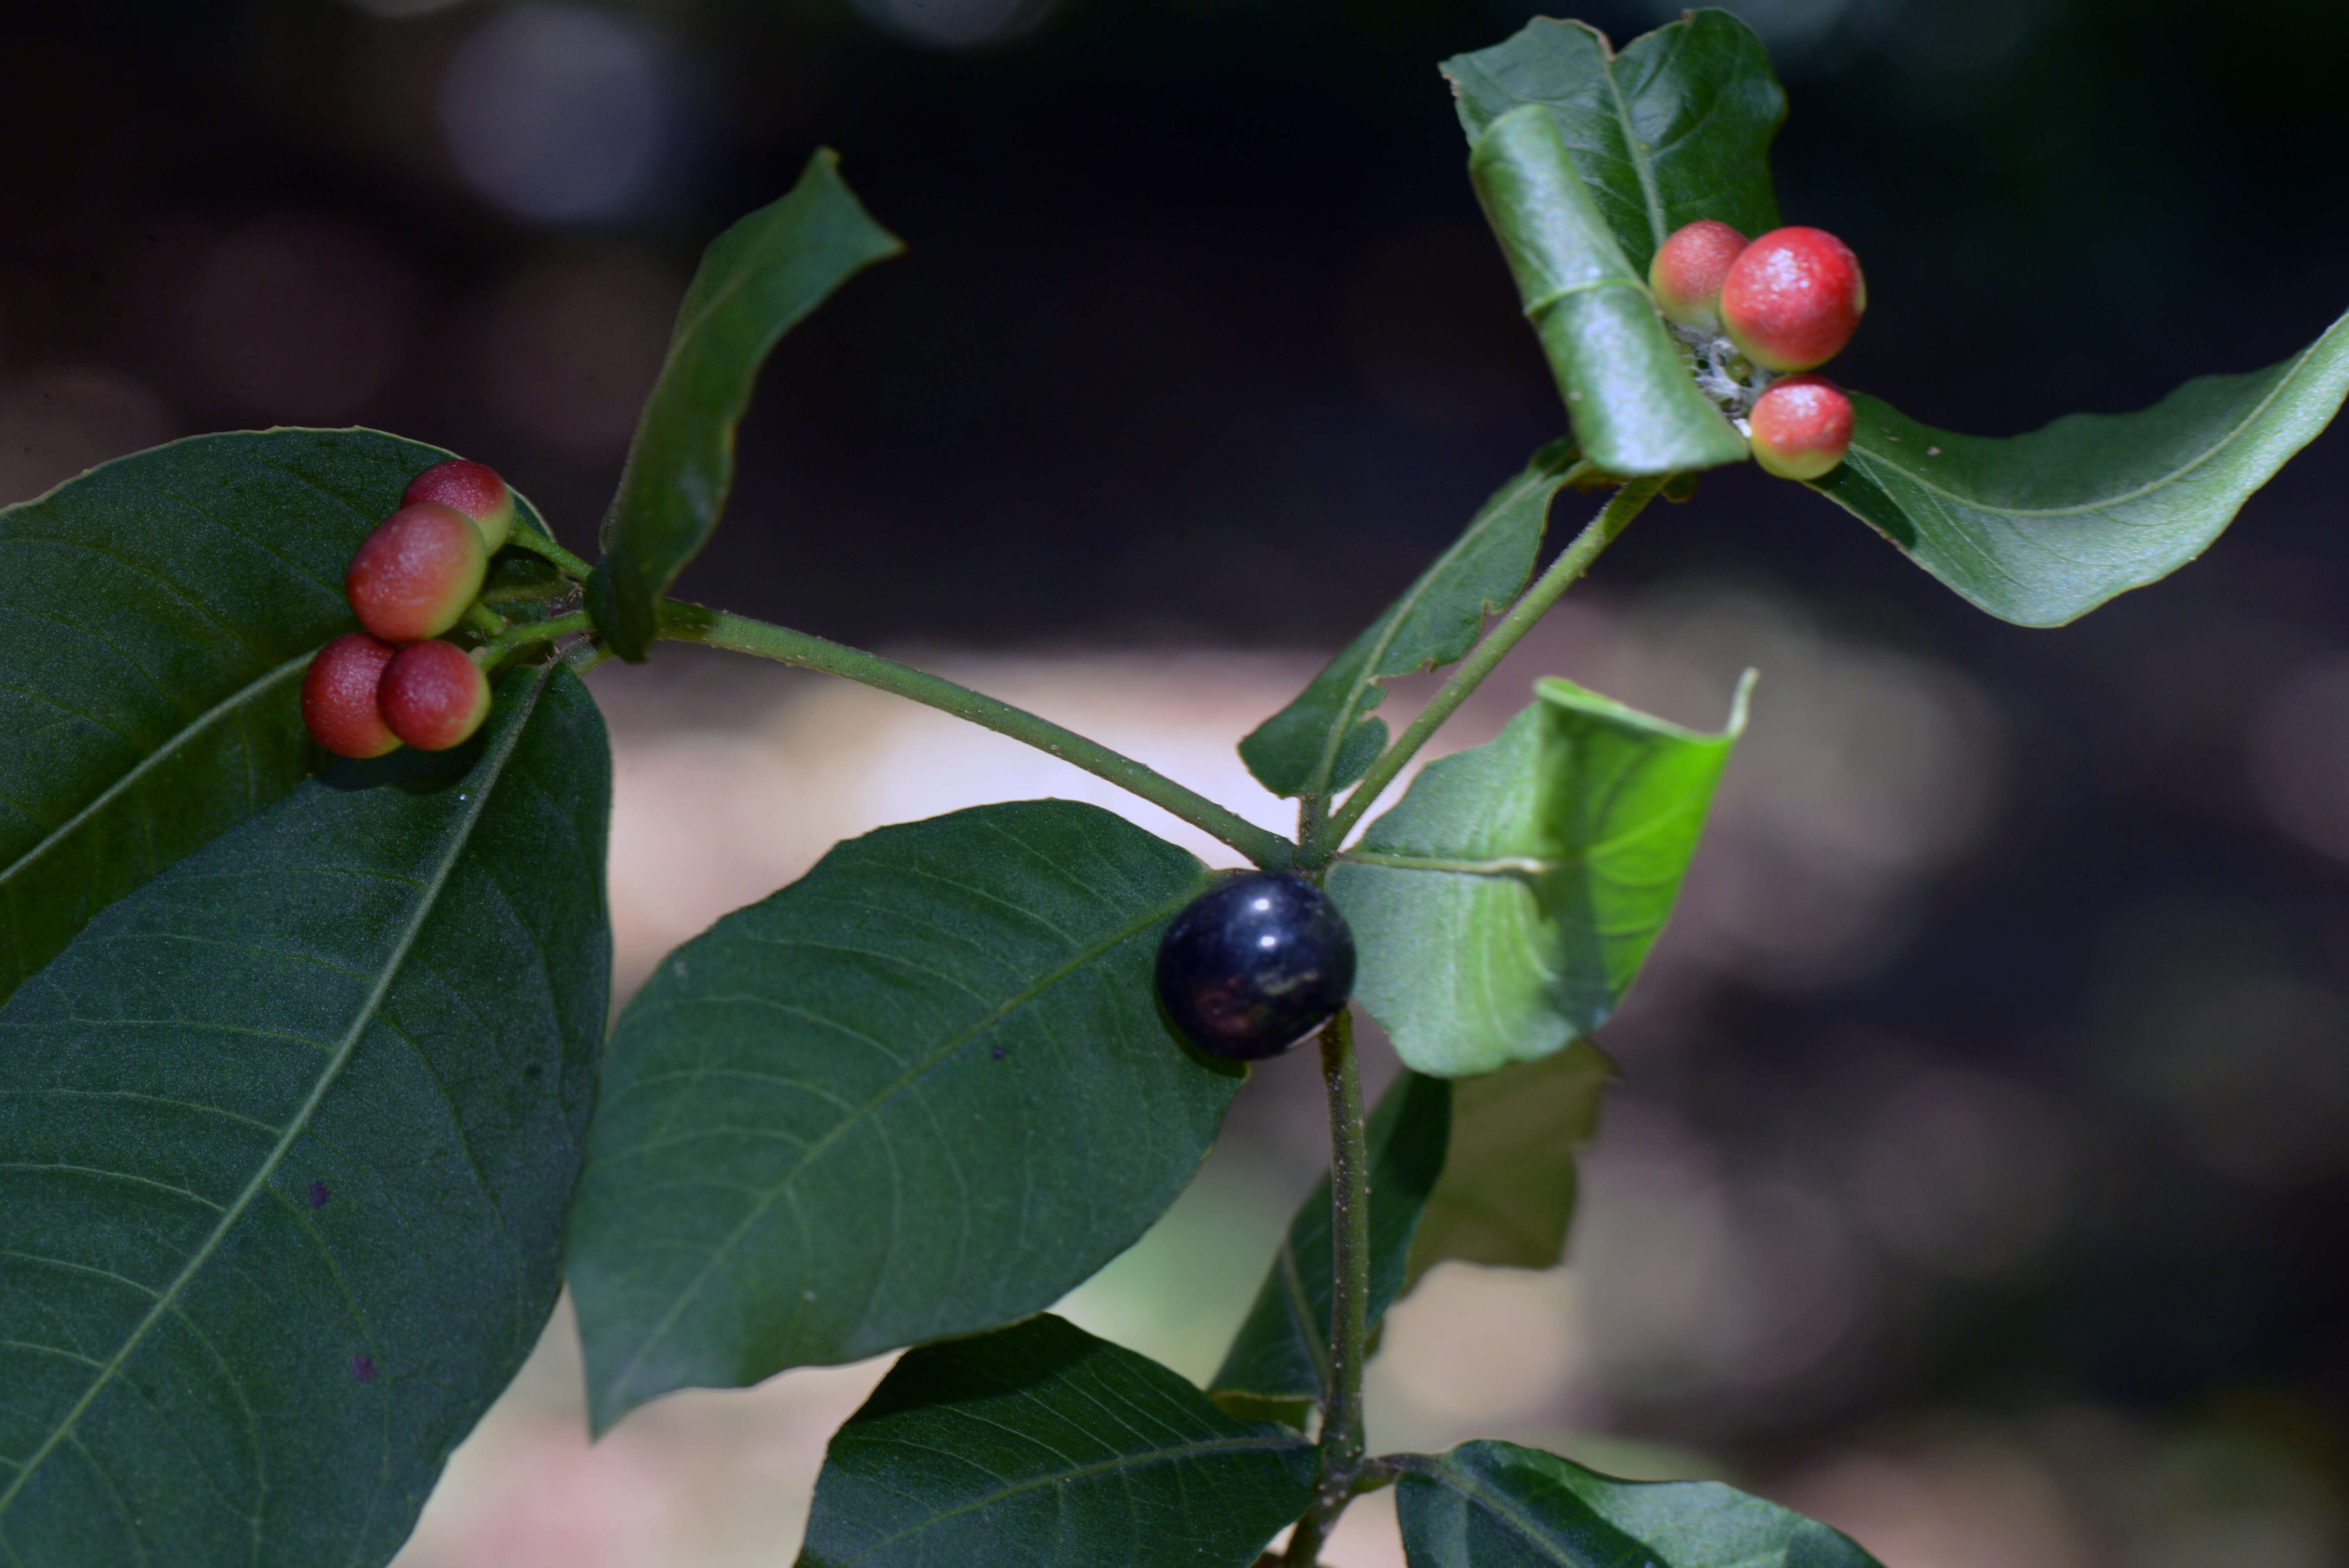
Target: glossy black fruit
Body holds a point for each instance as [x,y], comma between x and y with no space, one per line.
[1255,964]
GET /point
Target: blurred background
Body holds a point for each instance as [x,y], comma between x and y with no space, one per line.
[1980,1176]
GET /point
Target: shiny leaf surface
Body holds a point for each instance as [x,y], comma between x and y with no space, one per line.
[2041,529]
[1496,1505]
[922,1091]
[1634,406]
[1675,127]
[156,614]
[285,1139]
[1504,905]
[1042,1447]
[756,282]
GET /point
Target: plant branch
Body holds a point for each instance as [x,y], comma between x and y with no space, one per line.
[1571,564]
[1350,1295]
[545,549]
[684,623]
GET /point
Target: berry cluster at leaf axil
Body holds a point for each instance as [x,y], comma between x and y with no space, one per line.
[1776,309]
[414,578]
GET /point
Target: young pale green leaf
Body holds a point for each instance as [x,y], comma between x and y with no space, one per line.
[1504,905]
[156,614]
[2041,529]
[1496,1505]
[285,1139]
[1634,406]
[1279,1361]
[1675,129]
[756,282]
[922,1091]
[1042,1447]
[1506,1195]
[1321,742]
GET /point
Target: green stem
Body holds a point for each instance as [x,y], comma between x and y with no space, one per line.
[540,545]
[484,620]
[529,633]
[1571,564]
[1350,1296]
[685,622]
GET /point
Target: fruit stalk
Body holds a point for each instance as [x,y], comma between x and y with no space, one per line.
[1350,1295]
[684,623]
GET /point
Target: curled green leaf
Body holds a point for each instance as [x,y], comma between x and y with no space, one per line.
[1634,406]
[2042,528]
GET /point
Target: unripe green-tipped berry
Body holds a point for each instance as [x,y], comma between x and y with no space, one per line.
[338,697]
[1686,275]
[417,572]
[433,696]
[1793,298]
[1801,427]
[474,488]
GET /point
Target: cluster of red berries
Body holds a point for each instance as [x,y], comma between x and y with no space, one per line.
[1788,301]
[415,577]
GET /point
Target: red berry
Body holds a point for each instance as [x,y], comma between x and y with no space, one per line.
[1802,427]
[338,705]
[433,696]
[1685,277]
[473,488]
[417,572]
[1793,298]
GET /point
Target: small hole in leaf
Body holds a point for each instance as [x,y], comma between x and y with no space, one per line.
[318,1194]
[363,1367]
[997,1053]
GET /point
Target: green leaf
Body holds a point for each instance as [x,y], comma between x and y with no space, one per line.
[1676,127]
[1504,905]
[156,614]
[923,1091]
[285,1140]
[1320,743]
[1507,1196]
[1496,1505]
[756,282]
[1042,1447]
[2041,529]
[1628,391]
[1280,1358]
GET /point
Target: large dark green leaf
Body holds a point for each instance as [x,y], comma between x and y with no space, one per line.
[285,1139]
[1496,1505]
[1042,1447]
[1321,742]
[155,617]
[1506,1195]
[1504,905]
[2041,529]
[1279,1361]
[1634,405]
[923,1091]
[1675,129]
[755,282]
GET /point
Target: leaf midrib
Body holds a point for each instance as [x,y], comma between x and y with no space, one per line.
[1634,150]
[1915,476]
[913,1073]
[153,759]
[169,1296]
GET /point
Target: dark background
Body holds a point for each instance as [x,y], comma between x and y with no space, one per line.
[1199,339]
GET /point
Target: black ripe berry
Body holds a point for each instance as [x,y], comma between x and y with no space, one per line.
[1255,964]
